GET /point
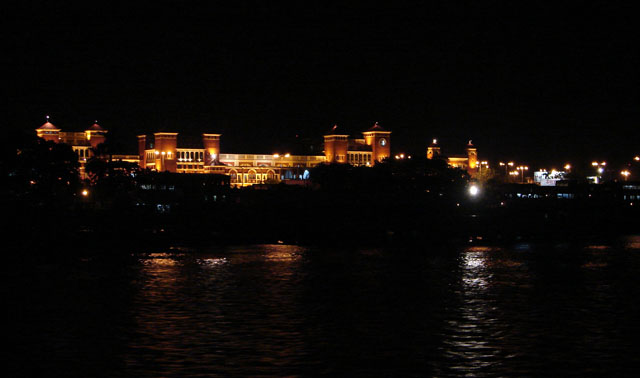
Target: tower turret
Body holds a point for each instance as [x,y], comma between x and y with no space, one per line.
[433,151]
[95,134]
[380,141]
[472,154]
[336,145]
[48,131]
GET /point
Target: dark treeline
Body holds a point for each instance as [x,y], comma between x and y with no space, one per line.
[415,202]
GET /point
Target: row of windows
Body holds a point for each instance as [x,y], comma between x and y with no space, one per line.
[359,158]
[251,177]
[189,166]
[191,155]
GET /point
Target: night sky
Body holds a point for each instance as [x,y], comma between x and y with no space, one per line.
[541,82]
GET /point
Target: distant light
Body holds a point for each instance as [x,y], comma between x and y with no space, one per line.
[85,192]
[567,167]
[435,141]
[287,155]
[473,190]
[594,163]
[164,153]
[157,152]
[600,170]
[276,155]
[637,158]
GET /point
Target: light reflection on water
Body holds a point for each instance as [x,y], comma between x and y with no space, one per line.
[278,310]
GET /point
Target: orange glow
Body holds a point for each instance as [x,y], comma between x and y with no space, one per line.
[85,193]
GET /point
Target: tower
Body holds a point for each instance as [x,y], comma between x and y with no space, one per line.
[211,143]
[48,132]
[472,155]
[142,146]
[336,146]
[433,151]
[95,134]
[380,141]
[165,145]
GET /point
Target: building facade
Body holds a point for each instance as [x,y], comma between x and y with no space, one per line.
[83,143]
[372,149]
[162,151]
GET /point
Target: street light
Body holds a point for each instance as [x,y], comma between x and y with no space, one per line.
[482,164]
[506,166]
[626,174]
[567,167]
[522,168]
[599,167]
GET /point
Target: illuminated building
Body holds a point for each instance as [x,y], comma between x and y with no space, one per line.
[83,143]
[468,162]
[162,152]
[373,148]
[165,151]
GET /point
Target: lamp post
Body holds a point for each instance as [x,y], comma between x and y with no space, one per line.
[482,164]
[522,168]
[599,168]
[506,166]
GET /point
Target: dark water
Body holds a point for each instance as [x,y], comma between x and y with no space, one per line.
[277,310]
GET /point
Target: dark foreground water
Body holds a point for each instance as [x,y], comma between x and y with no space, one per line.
[278,310]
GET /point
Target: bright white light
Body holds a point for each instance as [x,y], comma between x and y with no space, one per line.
[600,170]
[473,190]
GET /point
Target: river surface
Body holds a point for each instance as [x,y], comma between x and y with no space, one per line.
[280,310]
